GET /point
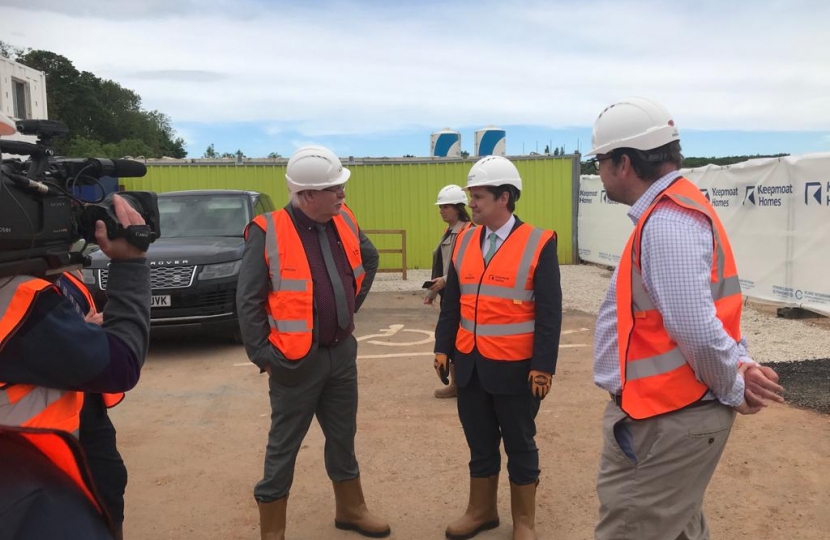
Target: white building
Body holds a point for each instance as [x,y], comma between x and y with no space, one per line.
[22,93]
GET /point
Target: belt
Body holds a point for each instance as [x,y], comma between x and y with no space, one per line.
[617,399]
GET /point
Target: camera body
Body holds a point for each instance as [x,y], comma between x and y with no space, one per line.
[41,217]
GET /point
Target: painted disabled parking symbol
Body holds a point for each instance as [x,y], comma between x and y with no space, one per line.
[394,330]
[385,336]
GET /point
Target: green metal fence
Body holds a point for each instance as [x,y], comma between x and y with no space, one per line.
[397,194]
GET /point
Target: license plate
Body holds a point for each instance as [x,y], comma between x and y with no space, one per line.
[160,301]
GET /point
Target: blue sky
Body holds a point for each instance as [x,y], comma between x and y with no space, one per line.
[372,78]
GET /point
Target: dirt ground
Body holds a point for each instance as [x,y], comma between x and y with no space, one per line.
[193,435]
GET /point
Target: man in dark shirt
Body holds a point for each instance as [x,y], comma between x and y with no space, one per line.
[305,271]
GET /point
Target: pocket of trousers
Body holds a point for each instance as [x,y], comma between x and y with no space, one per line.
[625,440]
[712,420]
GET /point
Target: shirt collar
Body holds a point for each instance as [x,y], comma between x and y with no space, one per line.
[639,208]
[303,220]
[504,231]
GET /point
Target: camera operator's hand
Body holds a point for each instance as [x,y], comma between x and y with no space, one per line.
[119,249]
[95,318]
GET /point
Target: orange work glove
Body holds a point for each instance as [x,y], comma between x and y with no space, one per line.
[442,367]
[540,383]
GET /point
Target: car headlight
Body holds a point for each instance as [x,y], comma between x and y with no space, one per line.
[221,270]
[89,276]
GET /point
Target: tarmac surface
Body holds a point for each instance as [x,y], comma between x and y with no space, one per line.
[806,383]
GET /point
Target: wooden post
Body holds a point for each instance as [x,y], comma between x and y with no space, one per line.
[402,249]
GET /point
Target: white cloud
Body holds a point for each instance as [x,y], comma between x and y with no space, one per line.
[341,68]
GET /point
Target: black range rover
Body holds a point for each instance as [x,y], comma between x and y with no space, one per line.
[195,263]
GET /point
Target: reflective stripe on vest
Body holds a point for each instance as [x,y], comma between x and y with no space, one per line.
[76,280]
[45,416]
[656,378]
[290,305]
[26,405]
[498,307]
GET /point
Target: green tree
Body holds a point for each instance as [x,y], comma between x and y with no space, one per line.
[547,149]
[100,110]
[7,50]
[555,151]
[274,155]
[210,153]
[464,154]
[692,162]
[82,147]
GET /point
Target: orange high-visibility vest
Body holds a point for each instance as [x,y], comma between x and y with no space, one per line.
[498,309]
[290,304]
[45,416]
[656,379]
[112,399]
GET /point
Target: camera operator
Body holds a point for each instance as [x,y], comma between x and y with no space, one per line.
[97,433]
[49,356]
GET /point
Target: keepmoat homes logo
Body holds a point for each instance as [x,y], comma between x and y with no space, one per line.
[766,195]
[816,193]
[720,197]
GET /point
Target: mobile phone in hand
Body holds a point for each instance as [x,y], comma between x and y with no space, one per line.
[428,284]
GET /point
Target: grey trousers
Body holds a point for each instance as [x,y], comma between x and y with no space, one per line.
[654,473]
[328,389]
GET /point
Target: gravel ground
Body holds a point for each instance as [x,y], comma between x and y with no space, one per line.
[796,349]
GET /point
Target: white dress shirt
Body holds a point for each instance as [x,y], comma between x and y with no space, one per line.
[501,233]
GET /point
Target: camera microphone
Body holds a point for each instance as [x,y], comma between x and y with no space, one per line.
[122,168]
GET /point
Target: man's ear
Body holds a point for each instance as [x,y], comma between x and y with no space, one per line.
[625,164]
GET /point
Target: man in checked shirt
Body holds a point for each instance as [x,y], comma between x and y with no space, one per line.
[668,345]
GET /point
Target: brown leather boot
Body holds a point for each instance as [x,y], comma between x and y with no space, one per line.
[523,508]
[450,391]
[352,514]
[272,519]
[482,511]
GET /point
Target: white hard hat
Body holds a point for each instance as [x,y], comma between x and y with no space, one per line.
[636,123]
[451,194]
[494,171]
[314,167]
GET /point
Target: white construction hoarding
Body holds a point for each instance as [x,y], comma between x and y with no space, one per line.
[777,214]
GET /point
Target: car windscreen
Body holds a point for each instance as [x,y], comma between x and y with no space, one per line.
[203,215]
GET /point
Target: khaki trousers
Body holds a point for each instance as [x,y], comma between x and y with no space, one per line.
[653,473]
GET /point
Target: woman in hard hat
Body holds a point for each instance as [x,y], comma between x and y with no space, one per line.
[452,205]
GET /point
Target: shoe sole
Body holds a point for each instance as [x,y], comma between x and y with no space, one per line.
[343,526]
[481,528]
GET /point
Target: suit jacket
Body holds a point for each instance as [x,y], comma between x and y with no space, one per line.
[498,376]
[252,294]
